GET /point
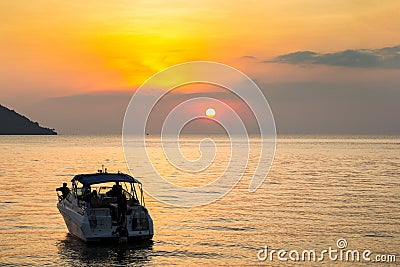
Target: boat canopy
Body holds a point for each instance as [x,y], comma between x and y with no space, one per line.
[97,178]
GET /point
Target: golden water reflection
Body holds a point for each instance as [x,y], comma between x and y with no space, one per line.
[318,190]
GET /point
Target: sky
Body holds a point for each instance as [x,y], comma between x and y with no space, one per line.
[325,67]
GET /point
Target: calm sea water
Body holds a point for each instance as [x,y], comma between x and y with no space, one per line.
[319,189]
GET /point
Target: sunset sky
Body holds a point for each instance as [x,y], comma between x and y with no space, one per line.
[83,59]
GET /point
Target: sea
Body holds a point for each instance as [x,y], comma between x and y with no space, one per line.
[327,194]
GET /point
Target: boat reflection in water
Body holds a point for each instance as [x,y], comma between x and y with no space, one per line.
[105,206]
[72,251]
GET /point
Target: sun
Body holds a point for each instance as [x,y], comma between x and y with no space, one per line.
[210,113]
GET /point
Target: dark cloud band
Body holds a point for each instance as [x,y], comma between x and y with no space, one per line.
[388,58]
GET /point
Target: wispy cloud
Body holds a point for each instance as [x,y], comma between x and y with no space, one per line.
[388,58]
[248,57]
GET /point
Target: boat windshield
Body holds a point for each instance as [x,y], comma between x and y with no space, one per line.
[106,193]
[107,190]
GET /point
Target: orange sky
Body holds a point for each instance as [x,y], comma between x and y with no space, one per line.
[54,48]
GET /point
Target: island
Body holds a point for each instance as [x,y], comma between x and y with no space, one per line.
[12,123]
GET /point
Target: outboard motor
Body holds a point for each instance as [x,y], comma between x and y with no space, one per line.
[122,233]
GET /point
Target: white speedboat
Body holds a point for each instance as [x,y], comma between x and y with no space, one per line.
[105,206]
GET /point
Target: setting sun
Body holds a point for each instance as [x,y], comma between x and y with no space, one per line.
[210,113]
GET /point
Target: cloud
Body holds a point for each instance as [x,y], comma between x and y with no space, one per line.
[103,112]
[388,58]
[248,57]
[90,113]
[335,108]
[314,107]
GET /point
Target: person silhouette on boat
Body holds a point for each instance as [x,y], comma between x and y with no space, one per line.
[64,190]
[114,190]
[122,205]
[94,199]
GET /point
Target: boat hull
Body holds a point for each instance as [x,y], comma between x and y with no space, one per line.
[96,225]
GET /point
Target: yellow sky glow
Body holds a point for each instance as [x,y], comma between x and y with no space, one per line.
[79,46]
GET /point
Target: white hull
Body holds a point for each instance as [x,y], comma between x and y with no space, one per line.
[96,224]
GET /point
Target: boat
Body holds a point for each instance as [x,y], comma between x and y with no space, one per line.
[105,206]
